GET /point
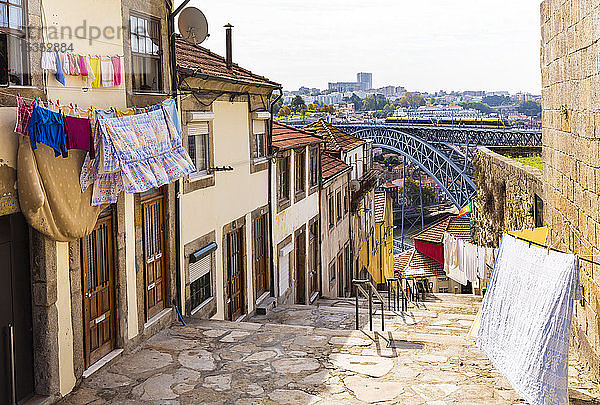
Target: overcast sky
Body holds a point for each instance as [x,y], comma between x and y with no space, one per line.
[424,45]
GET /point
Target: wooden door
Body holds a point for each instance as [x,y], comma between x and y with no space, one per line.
[235,274]
[153,225]
[315,253]
[98,287]
[15,312]
[301,267]
[260,255]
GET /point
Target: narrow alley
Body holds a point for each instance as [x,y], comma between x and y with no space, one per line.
[311,354]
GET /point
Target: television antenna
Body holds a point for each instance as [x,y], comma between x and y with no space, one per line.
[193,25]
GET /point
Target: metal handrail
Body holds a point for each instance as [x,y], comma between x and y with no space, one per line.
[359,288]
[399,297]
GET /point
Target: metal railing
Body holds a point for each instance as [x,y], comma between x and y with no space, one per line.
[396,295]
[368,291]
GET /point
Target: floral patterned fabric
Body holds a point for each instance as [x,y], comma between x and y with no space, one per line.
[135,153]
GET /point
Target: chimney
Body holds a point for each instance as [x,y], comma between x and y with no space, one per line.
[228,56]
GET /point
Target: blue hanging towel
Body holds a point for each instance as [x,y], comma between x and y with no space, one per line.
[60,75]
[48,127]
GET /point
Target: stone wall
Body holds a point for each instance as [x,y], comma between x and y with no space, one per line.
[505,195]
[571,149]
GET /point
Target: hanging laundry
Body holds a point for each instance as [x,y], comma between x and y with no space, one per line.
[79,134]
[24,111]
[481,262]
[526,319]
[74,63]
[470,261]
[126,112]
[139,152]
[47,127]
[116,61]
[49,61]
[456,270]
[108,71]
[82,65]
[171,108]
[93,68]
[66,65]
[60,76]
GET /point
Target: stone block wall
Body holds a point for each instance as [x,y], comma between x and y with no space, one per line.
[505,195]
[571,149]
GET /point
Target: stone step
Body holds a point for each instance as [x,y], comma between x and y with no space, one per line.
[266,306]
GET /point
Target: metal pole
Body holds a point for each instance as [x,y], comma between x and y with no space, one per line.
[421,200]
[356,295]
[370,309]
[382,317]
[13,384]
[403,197]
[389,294]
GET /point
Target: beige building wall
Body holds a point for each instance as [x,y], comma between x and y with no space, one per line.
[333,240]
[571,150]
[236,194]
[288,221]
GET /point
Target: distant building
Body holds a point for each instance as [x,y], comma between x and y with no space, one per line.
[366,79]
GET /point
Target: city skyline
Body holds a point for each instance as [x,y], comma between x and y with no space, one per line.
[486,46]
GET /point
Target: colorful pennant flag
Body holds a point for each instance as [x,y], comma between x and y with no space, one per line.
[467,209]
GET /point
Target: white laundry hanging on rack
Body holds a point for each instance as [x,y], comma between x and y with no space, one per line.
[456,266]
[526,319]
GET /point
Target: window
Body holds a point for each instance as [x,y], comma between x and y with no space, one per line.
[314,167]
[340,263]
[346,200]
[200,283]
[198,147]
[283,179]
[14,68]
[300,172]
[339,205]
[259,137]
[331,273]
[538,211]
[331,212]
[145,53]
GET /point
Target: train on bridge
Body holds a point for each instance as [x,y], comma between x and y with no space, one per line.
[453,122]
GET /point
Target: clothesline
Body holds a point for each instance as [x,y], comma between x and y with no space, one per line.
[555,250]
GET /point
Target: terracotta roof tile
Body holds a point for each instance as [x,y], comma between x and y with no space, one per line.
[459,227]
[336,138]
[412,263]
[287,137]
[379,203]
[201,60]
[331,166]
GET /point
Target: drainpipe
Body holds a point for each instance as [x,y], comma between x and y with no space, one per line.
[178,301]
[270,191]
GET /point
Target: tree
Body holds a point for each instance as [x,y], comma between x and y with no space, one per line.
[298,104]
[412,192]
[494,101]
[374,102]
[482,107]
[412,100]
[284,111]
[530,108]
[277,106]
[331,109]
[356,101]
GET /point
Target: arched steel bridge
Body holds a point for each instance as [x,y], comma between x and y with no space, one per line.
[436,150]
[443,152]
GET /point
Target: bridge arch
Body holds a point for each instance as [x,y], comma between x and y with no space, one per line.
[452,179]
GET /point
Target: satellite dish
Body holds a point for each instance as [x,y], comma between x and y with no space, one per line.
[193,26]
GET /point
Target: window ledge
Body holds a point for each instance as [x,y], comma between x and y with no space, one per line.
[199,307]
[148,93]
[259,160]
[198,176]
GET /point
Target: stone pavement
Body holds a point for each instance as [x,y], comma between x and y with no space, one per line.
[423,357]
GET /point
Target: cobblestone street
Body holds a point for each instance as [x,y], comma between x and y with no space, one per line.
[303,355]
